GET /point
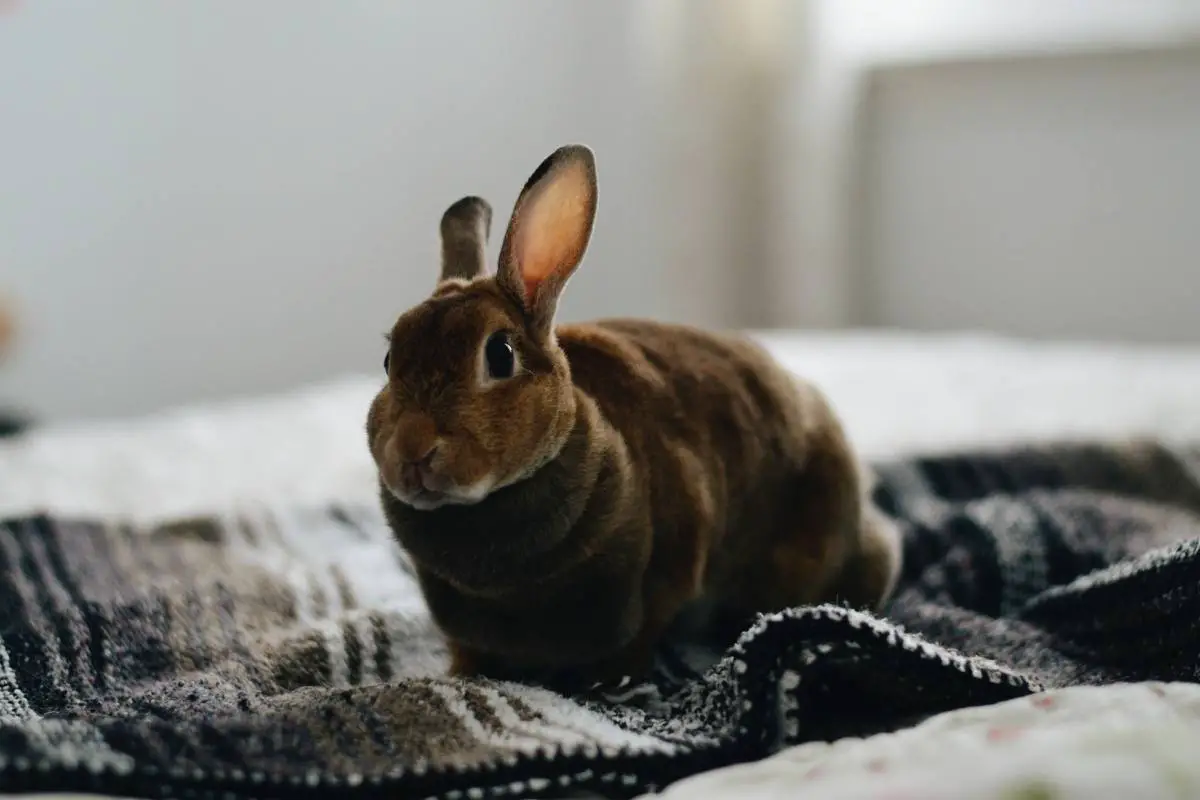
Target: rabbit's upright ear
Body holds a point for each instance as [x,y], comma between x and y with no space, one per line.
[549,231]
[465,227]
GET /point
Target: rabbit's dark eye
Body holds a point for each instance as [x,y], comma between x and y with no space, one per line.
[499,356]
[387,361]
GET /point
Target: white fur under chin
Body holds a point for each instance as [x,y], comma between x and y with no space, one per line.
[461,496]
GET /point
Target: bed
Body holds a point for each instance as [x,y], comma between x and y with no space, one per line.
[898,394]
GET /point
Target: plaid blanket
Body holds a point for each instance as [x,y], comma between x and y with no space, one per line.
[286,652]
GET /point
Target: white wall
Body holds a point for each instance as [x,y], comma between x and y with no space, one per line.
[813,275]
[215,198]
[1043,197]
[209,197]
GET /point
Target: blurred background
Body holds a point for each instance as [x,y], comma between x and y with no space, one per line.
[216,199]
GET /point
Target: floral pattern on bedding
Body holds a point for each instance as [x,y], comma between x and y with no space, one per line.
[1122,741]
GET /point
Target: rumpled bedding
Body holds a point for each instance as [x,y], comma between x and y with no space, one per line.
[938,393]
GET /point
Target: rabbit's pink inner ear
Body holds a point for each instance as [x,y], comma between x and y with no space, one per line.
[553,228]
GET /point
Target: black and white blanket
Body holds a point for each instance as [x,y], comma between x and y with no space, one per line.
[286,652]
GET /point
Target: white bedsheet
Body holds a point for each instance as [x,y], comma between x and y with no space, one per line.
[896,394]
[1091,743]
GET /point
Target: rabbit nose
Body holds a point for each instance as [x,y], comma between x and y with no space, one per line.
[418,472]
[423,462]
[415,438]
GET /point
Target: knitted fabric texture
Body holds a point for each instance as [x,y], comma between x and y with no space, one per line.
[287,652]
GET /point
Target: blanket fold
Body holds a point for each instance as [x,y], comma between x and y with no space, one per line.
[287,652]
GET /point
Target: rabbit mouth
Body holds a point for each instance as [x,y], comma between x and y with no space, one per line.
[422,496]
[420,499]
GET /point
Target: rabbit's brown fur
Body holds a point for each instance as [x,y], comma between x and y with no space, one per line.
[629,468]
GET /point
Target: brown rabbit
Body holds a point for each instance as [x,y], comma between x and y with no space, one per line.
[565,492]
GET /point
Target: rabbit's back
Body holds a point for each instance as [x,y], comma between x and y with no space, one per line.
[724,439]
